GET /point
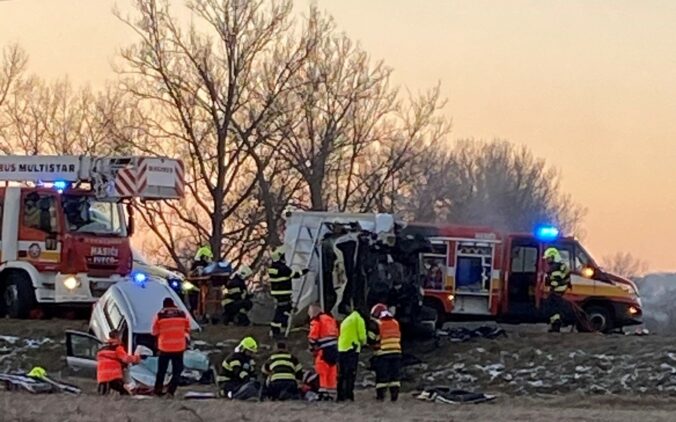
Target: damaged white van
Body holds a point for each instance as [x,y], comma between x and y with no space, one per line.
[129,307]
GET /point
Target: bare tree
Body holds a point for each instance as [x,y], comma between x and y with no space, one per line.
[211,96]
[625,264]
[495,184]
[12,67]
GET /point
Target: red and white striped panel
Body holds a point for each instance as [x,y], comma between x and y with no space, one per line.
[125,182]
[142,176]
[180,178]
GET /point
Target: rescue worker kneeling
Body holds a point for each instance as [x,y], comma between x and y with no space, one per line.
[236,302]
[238,376]
[385,338]
[283,373]
[110,363]
[323,339]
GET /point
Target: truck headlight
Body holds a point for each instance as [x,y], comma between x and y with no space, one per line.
[71,283]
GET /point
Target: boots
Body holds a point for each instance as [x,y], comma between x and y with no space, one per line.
[380,394]
[555,327]
[394,393]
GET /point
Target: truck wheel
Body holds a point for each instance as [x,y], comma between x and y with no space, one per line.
[18,296]
[599,319]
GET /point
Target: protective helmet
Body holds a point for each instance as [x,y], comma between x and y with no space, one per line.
[204,252]
[377,310]
[553,254]
[244,272]
[37,372]
[278,253]
[248,343]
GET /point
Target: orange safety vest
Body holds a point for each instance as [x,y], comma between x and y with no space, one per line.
[390,337]
[171,326]
[323,332]
[110,362]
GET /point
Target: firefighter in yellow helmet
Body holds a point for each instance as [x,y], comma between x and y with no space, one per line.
[236,301]
[203,257]
[237,379]
[280,276]
[558,282]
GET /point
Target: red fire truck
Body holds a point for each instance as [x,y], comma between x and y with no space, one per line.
[65,233]
[477,273]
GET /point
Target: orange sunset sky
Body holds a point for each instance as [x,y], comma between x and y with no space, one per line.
[589,85]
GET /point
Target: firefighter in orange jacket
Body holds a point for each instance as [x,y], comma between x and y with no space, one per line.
[110,363]
[323,339]
[385,338]
[171,326]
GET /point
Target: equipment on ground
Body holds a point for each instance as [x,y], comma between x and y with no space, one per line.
[65,231]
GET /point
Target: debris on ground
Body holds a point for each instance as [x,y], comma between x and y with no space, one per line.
[448,395]
[461,334]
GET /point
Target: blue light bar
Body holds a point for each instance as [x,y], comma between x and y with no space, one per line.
[60,185]
[547,233]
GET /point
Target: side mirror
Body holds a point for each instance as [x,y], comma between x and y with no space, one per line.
[587,272]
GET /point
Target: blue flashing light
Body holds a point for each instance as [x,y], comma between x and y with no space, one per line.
[546,233]
[174,284]
[139,278]
[60,185]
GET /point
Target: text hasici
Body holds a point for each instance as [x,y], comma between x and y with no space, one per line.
[38,168]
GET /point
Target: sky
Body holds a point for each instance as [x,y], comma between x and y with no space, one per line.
[588,85]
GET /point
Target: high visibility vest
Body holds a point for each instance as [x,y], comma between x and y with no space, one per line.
[171,326]
[283,366]
[352,333]
[387,338]
[323,332]
[558,278]
[110,362]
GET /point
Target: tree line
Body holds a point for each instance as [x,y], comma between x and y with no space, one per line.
[268,111]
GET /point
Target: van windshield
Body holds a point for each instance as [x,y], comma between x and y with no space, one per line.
[84,214]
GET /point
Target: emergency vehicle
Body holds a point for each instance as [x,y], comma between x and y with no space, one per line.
[480,273]
[65,231]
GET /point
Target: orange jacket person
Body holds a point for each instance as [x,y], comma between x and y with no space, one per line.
[385,338]
[323,339]
[110,363]
[171,326]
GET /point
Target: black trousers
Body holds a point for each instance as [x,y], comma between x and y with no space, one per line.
[558,309]
[176,360]
[283,390]
[237,312]
[114,385]
[387,369]
[348,362]
[281,318]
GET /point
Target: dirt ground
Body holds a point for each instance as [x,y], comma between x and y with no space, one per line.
[560,377]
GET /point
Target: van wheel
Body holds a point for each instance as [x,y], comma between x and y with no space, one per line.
[18,296]
[599,319]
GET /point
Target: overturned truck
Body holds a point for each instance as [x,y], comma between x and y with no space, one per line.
[358,260]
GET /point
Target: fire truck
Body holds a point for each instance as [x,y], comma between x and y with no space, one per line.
[67,222]
[476,273]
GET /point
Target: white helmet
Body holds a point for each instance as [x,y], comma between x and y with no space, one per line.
[244,272]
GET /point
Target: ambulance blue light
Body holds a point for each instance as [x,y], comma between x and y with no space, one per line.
[546,233]
[140,278]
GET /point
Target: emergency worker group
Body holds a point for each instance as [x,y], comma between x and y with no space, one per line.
[335,347]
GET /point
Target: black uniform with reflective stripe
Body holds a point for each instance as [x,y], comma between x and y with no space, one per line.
[237,367]
[280,276]
[236,290]
[558,277]
[283,366]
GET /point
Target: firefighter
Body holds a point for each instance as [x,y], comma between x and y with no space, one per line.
[281,288]
[350,341]
[283,371]
[385,338]
[236,302]
[323,339]
[203,257]
[238,372]
[110,363]
[171,326]
[558,281]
